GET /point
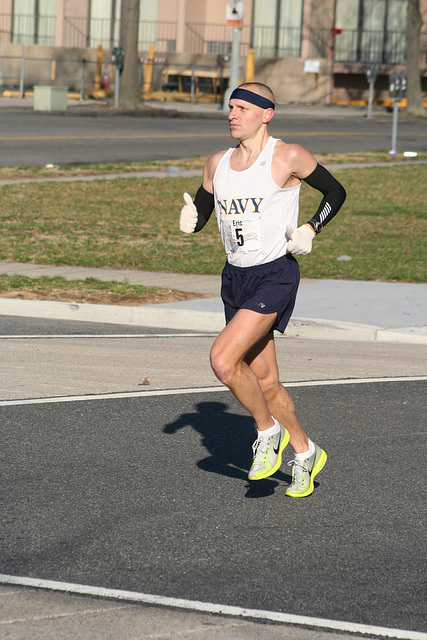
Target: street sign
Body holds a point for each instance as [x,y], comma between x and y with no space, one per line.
[311,66]
[234,14]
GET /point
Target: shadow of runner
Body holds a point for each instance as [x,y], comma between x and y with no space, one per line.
[228,438]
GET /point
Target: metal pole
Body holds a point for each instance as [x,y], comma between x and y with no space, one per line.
[393,150]
[116,86]
[371,99]
[82,81]
[234,67]
[21,78]
[193,84]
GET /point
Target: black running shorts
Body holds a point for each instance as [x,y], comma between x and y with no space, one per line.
[264,288]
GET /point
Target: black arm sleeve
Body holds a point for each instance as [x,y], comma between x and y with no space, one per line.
[204,203]
[333,196]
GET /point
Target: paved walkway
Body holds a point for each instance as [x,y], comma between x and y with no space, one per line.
[328,309]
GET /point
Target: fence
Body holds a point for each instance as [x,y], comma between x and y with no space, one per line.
[86,32]
[350,46]
[365,46]
[78,75]
[83,32]
[200,38]
[86,77]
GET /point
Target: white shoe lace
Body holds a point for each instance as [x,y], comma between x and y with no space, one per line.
[298,471]
[259,448]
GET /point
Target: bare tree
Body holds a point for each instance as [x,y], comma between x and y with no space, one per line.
[414,92]
[130,91]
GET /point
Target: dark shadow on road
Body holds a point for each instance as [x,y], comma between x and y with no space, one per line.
[228,438]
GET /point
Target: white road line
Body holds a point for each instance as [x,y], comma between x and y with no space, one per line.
[208,607]
[109,335]
[193,390]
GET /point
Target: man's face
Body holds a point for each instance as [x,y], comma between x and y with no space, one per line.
[245,119]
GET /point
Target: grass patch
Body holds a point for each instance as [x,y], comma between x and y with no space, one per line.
[90,290]
[133,223]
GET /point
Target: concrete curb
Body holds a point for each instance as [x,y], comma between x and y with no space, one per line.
[357,332]
[207,321]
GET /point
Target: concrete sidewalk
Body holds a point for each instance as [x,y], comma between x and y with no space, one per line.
[325,309]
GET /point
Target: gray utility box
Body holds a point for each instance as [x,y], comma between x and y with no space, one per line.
[50,98]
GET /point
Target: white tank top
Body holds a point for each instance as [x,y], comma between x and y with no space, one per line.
[252,211]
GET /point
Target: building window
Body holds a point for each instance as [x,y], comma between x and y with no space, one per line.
[374,31]
[104,23]
[220,47]
[34,22]
[276,28]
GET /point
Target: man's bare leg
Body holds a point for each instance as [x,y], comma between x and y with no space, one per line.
[228,354]
[262,360]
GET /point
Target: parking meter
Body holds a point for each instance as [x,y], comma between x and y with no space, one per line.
[397,90]
[117,57]
[403,84]
[371,76]
[372,73]
[397,86]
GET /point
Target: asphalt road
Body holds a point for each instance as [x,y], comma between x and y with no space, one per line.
[33,138]
[149,492]
[151,495]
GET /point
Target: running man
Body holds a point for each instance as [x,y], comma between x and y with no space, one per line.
[254,188]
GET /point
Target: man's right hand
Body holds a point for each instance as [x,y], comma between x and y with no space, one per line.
[188,217]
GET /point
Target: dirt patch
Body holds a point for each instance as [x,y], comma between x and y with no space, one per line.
[102,297]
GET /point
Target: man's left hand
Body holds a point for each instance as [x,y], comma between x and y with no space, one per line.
[300,240]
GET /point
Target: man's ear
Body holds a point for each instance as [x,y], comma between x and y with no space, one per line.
[268,115]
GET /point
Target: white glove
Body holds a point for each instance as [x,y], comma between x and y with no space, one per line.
[300,240]
[188,217]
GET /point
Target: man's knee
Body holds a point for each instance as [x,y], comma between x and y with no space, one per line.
[221,364]
[270,386]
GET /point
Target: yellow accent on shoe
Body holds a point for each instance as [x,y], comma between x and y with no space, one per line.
[266,457]
[302,478]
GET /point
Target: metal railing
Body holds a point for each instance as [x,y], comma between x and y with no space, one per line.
[79,75]
[204,38]
[269,42]
[84,32]
[368,47]
[351,45]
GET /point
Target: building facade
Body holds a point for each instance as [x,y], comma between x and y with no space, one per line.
[309,50]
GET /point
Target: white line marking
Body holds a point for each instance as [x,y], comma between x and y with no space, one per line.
[208,607]
[192,390]
[109,335]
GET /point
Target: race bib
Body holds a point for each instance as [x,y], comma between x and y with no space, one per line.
[242,235]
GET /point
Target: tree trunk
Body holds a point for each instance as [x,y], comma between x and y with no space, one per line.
[413,28]
[130,91]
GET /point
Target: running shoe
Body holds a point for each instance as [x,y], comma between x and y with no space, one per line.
[268,454]
[304,472]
